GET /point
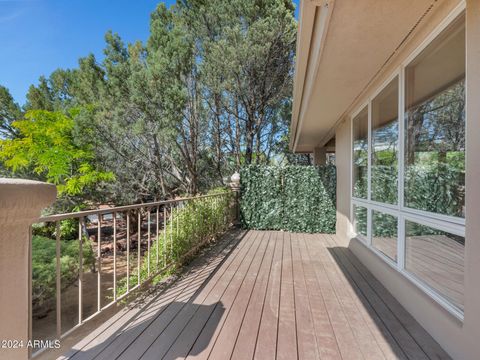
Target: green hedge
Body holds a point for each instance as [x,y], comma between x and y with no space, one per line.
[291,198]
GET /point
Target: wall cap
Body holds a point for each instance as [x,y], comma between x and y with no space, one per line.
[21,201]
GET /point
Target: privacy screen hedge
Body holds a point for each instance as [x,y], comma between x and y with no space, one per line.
[291,198]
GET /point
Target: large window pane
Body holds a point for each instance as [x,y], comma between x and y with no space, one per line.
[360,220]
[385,144]
[384,237]
[435,125]
[436,258]
[360,154]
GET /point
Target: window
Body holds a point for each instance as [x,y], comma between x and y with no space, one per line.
[385,144]
[384,234]
[437,259]
[408,168]
[435,125]
[360,154]
[360,221]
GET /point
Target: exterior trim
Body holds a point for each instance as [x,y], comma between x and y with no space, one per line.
[304,81]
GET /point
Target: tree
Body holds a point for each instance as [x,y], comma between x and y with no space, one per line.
[46,147]
[9,112]
[52,93]
[208,92]
[248,51]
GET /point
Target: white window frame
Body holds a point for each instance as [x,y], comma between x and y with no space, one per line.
[447,223]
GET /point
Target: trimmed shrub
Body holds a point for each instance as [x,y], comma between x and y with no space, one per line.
[292,198]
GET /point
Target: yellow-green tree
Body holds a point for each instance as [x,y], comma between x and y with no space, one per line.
[46,147]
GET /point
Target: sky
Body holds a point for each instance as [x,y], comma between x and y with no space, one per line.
[39,36]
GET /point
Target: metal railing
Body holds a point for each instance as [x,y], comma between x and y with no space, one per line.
[119,250]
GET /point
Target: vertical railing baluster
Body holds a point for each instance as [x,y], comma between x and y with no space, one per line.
[80,269]
[215,216]
[164,235]
[148,245]
[225,209]
[195,221]
[158,233]
[115,256]
[212,213]
[200,218]
[99,262]
[171,231]
[128,251]
[58,279]
[139,219]
[177,221]
[30,310]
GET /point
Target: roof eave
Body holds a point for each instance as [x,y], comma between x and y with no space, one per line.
[309,49]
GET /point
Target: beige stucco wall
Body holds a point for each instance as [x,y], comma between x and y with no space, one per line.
[20,205]
[471,328]
[320,155]
[460,340]
[342,162]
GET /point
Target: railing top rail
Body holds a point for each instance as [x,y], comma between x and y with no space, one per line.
[80,214]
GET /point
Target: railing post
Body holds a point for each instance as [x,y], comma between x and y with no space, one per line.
[235,186]
[20,204]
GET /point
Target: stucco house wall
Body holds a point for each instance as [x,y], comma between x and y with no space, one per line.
[459,339]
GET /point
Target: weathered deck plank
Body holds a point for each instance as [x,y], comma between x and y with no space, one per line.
[270,295]
[266,344]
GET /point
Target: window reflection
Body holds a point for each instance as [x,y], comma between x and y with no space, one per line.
[360,154]
[385,144]
[435,126]
[360,221]
[384,237]
[436,258]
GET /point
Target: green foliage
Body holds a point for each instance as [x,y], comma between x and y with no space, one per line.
[68,229]
[47,147]
[208,91]
[384,184]
[9,112]
[429,186]
[44,266]
[361,215]
[384,225]
[292,198]
[193,222]
[436,187]
[261,197]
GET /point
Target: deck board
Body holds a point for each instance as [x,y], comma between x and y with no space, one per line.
[266,295]
[248,332]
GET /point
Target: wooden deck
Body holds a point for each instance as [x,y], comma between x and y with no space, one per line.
[266,295]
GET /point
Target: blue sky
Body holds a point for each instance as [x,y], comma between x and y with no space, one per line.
[39,36]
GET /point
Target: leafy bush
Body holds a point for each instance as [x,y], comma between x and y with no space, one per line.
[44,266]
[292,198]
[193,222]
[68,229]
